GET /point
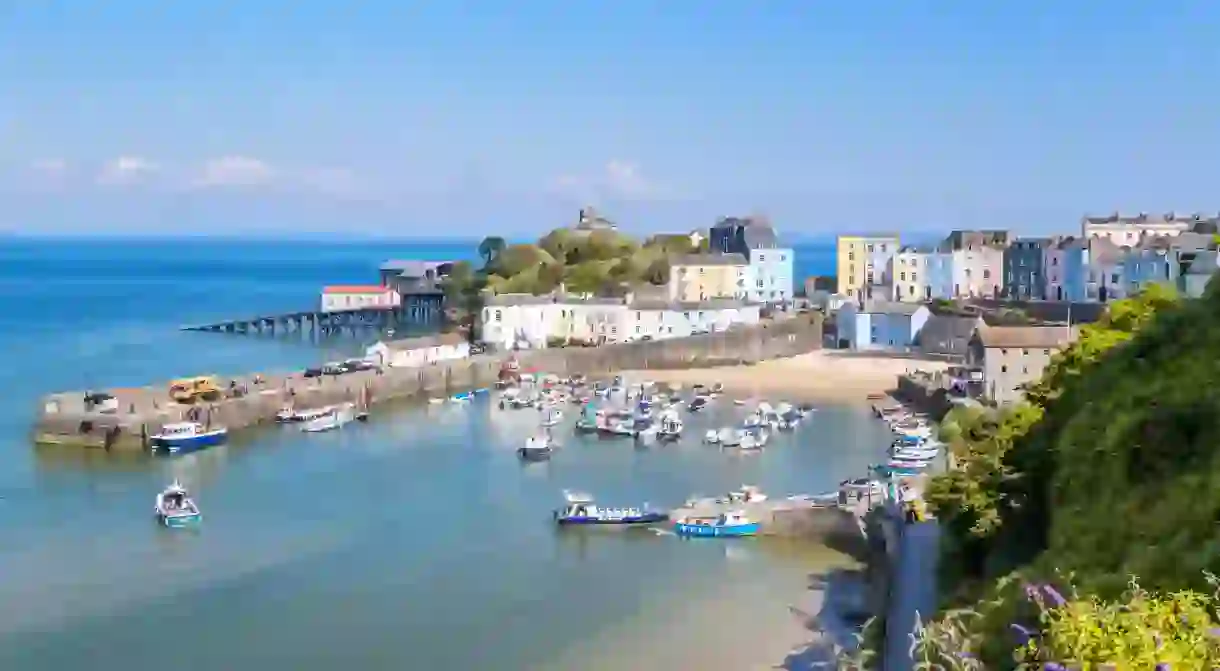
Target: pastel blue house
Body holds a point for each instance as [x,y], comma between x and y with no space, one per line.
[939,275]
[880,325]
[769,277]
[1074,261]
[1148,264]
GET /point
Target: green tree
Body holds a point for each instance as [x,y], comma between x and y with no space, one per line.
[559,243]
[658,272]
[519,258]
[490,248]
[587,277]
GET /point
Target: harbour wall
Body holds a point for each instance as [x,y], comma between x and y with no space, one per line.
[255,398]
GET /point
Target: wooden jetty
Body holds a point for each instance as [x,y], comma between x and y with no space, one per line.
[331,322]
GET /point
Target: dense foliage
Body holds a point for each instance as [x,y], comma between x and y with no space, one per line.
[1110,471]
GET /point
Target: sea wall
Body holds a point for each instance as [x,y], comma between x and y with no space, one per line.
[63,418]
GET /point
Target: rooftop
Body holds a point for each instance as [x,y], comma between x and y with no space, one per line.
[411,267]
[880,306]
[685,306]
[1205,263]
[707,260]
[1026,336]
[355,289]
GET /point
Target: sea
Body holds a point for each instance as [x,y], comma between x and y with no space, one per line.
[416,540]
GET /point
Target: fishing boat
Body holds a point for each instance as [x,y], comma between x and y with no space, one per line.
[335,418]
[464,397]
[698,403]
[749,442]
[717,389]
[551,417]
[729,524]
[536,448]
[712,437]
[617,423]
[174,507]
[581,510]
[747,494]
[187,437]
[645,430]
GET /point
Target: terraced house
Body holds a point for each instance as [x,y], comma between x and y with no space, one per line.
[864,263]
[1025,275]
[978,262]
[1127,230]
[769,263]
[699,277]
[910,274]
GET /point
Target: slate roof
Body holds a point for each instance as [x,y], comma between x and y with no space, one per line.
[1205,263]
[1026,336]
[708,260]
[945,334]
[878,306]
[679,306]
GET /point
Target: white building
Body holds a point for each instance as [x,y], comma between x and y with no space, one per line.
[910,275]
[522,321]
[357,297]
[414,352]
[769,275]
[1126,230]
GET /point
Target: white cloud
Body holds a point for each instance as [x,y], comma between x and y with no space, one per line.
[126,170]
[235,171]
[616,180]
[49,166]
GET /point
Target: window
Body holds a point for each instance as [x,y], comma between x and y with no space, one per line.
[1004,352]
[1024,352]
[1114,278]
[1003,369]
[760,284]
[783,257]
[700,270]
[1046,352]
[851,256]
[497,315]
[1025,370]
[639,316]
[686,314]
[883,247]
[914,277]
[1054,260]
[986,273]
[910,291]
[762,257]
[851,270]
[870,249]
[870,277]
[637,329]
[902,276]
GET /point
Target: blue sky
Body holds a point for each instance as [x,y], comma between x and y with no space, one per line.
[463,118]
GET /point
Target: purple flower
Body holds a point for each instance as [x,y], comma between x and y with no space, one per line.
[1054,595]
[1032,593]
[1162,666]
[1054,666]
[1024,634]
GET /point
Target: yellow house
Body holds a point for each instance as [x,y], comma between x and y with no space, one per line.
[699,277]
[863,261]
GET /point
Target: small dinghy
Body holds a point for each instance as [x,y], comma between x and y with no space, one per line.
[730,524]
[581,510]
[670,427]
[712,437]
[537,448]
[335,418]
[552,417]
[175,509]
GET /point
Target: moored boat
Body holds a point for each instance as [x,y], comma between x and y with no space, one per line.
[175,508]
[712,437]
[552,417]
[729,524]
[335,418]
[536,448]
[581,510]
[670,427]
[186,437]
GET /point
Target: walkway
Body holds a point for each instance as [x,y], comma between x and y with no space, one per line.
[913,591]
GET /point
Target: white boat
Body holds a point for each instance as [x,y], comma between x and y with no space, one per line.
[174,507]
[291,415]
[552,417]
[747,494]
[730,437]
[537,448]
[670,427]
[749,442]
[335,418]
[712,437]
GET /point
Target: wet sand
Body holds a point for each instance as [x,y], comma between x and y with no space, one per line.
[821,376]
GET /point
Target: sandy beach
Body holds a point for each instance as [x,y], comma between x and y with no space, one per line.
[813,377]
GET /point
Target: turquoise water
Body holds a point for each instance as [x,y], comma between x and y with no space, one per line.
[415,541]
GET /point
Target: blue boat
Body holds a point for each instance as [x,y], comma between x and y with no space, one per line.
[175,509]
[731,524]
[582,511]
[187,437]
[899,471]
